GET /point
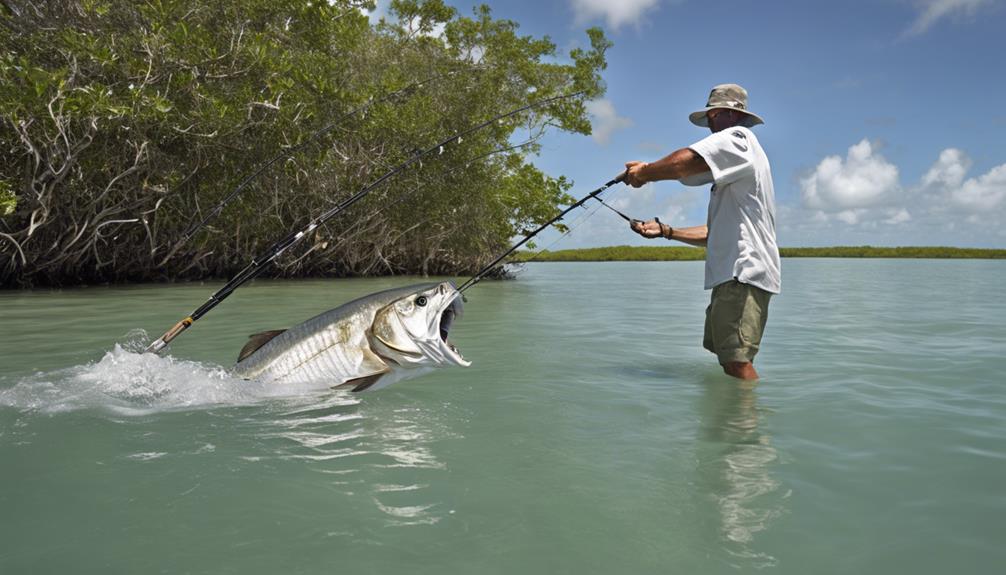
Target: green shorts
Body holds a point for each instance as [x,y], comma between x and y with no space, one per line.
[735,320]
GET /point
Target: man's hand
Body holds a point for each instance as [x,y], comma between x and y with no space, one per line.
[634,174]
[651,229]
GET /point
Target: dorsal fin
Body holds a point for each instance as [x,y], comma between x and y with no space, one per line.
[257,340]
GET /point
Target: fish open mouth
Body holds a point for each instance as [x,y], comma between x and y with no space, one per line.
[453,310]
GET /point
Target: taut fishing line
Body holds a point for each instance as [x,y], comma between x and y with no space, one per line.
[592,195]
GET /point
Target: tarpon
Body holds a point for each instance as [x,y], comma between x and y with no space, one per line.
[368,343]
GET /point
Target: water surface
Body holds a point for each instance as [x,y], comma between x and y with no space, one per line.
[592,434]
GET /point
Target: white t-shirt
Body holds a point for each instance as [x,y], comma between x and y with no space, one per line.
[741,217]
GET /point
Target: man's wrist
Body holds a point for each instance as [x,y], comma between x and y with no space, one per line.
[666,231]
[642,172]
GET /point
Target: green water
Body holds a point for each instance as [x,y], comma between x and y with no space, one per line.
[592,434]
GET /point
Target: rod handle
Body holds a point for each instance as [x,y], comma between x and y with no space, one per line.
[162,342]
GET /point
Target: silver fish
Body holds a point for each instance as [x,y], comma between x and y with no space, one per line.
[368,343]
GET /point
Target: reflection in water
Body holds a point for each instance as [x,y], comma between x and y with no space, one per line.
[735,464]
[381,454]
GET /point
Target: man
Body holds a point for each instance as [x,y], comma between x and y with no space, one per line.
[742,258]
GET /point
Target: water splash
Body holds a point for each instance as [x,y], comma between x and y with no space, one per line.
[127,381]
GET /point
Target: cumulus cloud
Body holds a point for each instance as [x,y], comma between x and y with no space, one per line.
[898,217]
[949,169]
[945,200]
[932,11]
[862,180]
[947,189]
[983,194]
[616,13]
[605,120]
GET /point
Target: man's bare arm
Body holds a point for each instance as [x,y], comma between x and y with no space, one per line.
[679,164]
[695,236]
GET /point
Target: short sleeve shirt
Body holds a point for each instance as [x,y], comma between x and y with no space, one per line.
[741,218]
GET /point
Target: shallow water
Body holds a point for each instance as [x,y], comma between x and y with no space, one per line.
[592,434]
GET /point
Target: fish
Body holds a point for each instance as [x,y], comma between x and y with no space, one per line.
[365,344]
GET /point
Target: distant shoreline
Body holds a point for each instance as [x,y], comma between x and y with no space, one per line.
[677,253]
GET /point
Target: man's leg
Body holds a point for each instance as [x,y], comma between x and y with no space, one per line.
[735,321]
[740,370]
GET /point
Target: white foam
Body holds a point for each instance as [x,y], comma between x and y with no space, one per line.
[130,382]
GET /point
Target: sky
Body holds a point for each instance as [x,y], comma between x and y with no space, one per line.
[883,118]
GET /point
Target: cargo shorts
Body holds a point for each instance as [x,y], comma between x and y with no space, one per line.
[735,321]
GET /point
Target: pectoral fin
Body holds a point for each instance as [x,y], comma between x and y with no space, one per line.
[370,369]
[257,340]
[362,383]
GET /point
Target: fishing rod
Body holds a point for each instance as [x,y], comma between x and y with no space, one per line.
[458,167]
[195,227]
[592,195]
[258,265]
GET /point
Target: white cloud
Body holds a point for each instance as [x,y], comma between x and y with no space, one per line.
[863,180]
[944,207]
[605,120]
[932,11]
[898,217]
[949,169]
[947,190]
[617,13]
[982,194]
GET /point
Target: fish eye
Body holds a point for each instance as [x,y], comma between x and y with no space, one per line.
[421,301]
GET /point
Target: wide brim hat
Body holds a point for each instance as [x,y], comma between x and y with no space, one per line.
[726,97]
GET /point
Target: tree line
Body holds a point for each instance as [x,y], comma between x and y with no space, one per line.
[680,253]
[124,123]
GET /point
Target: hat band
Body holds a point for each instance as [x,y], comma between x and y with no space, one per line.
[727,104]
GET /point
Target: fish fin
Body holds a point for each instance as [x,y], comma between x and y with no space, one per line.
[362,383]
[257,340]
[372,367]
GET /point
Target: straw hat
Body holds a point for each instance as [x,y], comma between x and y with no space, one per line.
[727,97]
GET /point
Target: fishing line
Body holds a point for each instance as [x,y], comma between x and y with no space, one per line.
[577,223]
[258,265]
[592,195]
[624,217]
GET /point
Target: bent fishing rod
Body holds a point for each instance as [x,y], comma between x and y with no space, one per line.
[258,265]
[592,195]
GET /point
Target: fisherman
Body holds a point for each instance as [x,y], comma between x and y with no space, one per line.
[742,258]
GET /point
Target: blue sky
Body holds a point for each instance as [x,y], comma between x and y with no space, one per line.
[882,118]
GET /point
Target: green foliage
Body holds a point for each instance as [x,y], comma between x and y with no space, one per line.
[125,122]
[8,201]
[675,253]
[899,252]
